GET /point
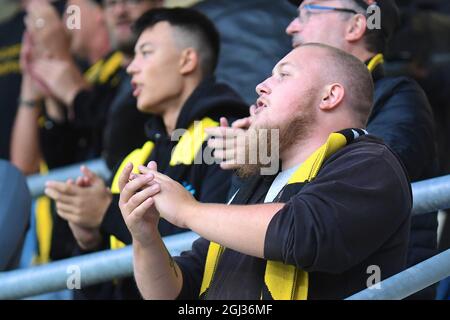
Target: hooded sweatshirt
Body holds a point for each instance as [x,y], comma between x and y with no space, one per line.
[207,183]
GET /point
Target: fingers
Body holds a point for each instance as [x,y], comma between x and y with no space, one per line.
[62,187]
[88,173]
[58,196]
[138,213]
[243,123]
[125,176]
[137,199]
[66,212]
[132,187]
[159,177]
[227,154]
[229,165]
[222,132]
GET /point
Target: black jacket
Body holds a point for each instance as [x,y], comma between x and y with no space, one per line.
[208,183]
[353,215]
[402,117]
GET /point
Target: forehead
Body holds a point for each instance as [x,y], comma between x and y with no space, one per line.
[321,2]
[161,31]
[300,57]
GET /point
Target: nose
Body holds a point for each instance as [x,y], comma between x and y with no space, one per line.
[120,9]
[263,88]
[293,27]
[132,68]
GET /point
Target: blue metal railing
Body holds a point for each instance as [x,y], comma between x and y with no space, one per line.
[36,183]
[94,268]
[410,281]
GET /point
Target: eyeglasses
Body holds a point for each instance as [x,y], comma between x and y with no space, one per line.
[130,3]
[305,12]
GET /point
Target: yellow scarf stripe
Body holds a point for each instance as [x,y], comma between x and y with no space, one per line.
[313,164]
[92,74]
[137,158]
[214,252]
[375,62]
[191,142]
[110,67]
[115,243]
[44,226]
[102,70]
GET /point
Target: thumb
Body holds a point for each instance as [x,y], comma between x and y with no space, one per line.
[152,165]
[224,122]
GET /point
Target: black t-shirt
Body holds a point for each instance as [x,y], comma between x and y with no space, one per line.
[354,214]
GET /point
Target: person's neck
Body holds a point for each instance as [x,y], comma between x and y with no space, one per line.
[297,153]
[98,47]
[361,53]
[173,107]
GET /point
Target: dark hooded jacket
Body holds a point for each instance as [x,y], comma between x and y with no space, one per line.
[402,117]
[208,183]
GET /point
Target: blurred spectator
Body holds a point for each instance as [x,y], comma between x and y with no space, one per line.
[14,214]
[252,39]
[11,31]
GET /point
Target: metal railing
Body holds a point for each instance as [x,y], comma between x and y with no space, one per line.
[36,183]
[410,281]
[429,195]
[93,268]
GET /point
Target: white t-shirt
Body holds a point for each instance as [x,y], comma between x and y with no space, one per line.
[280,181]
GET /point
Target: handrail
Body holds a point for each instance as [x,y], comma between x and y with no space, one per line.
[93,268]
[410,281]
[36,183]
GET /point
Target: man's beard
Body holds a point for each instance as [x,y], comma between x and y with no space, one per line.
[296,130]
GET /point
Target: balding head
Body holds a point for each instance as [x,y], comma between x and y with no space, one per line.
[337,66]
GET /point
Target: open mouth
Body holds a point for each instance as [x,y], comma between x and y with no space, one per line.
[137,89]
[260,106]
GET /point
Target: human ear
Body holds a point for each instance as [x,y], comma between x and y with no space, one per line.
[333,95]
[356,28]
[188,61]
